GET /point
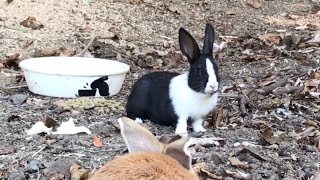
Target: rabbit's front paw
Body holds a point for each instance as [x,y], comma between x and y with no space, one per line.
[197,126]
[181,128]
[138,120]
[181,132]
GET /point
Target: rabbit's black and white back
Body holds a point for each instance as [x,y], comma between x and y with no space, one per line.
[169,98]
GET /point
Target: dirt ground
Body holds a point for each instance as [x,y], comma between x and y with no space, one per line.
[268,117]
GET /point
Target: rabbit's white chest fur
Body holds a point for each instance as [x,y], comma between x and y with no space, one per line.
[187,102]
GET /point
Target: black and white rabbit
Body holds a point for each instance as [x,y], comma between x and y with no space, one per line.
[169,98]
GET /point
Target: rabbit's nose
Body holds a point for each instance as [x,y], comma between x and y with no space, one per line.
[214,86]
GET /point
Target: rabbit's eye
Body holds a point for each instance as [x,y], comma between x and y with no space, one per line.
[199,69]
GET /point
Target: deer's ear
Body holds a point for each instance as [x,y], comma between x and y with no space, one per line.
[179,150]
[137,137]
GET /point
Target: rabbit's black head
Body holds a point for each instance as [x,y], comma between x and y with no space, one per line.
[203,74]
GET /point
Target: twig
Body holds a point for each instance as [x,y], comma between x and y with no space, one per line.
[16,87]
[86,47]
[39,175]
[39,151]
[282,82]
[287,90]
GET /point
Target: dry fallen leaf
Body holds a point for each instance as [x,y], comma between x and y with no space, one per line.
[202,168]
[306,133]
[97,141]
[316,38]
[230,13]
[260,124]
[32,23]
[293,16]
[254,3]
[217,117]
[266,83]
[198,166]
[79,173]
[172,59]
[67,52]
[4,150]
[311,123]
[237,163]
[49,122]
[270,38]
[46,52]
[310,83]
[4,174]
[315,75]
[50,141]
[175,8]
[237,175]
[266,134]
[12,61]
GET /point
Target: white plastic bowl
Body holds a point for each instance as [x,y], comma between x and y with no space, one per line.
[71,77]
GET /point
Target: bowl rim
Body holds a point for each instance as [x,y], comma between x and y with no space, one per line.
[23,62]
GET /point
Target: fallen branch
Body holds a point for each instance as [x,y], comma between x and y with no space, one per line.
[286,90]
[86,47]
[282,82]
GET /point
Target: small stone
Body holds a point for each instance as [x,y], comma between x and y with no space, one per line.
[18,99]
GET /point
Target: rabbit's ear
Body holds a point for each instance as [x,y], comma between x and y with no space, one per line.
[188,45]
[208,40]
[138,138]
[179,150]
